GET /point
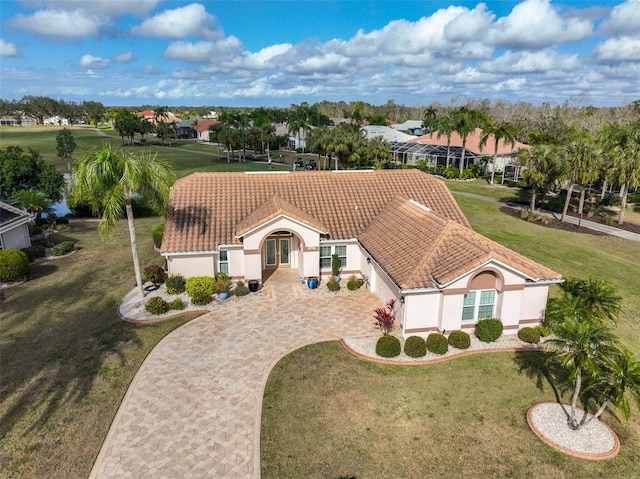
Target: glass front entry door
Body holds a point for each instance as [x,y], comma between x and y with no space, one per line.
[277,252]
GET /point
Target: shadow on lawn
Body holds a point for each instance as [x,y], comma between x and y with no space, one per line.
[535,365]
[54,342]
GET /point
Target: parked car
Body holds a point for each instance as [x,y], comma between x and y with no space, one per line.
[311,165]
[298,163]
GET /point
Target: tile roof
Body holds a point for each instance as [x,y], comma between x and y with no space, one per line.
[473,142]
[207,209]
[420,249]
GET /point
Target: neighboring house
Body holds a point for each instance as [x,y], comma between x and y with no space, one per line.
[14,227]
[400,228]
[185,130]
[56,120]
[202,129]
[433,149]
[14,121]
[149,115]
[414,127]
[388,134]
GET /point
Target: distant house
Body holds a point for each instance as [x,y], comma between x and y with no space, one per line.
[388,134]
[185,130]
[149,115]
[433,149]
[202,129]
[401,229]
[19,120]
[56,120]
[14,227]
[414,127]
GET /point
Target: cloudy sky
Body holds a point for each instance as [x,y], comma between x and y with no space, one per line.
[275,53]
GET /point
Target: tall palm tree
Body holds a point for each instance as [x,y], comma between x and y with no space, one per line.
[430,118]
[466,120]
[582,161]
[446,126]
[507,132]
[109,181]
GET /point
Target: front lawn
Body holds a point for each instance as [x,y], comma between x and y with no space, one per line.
[66,359]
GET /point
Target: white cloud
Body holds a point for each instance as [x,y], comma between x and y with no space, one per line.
[8,49]
[204,52]
[58,23]
[469,26]
[531,62]
[125,57]
[103,8]
[89,61]
[623,49]
[189,21]
[536,24]
[624,19]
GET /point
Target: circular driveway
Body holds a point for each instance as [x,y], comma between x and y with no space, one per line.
[194,408]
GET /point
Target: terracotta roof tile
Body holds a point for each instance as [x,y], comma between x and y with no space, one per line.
[420,249]
[205,208]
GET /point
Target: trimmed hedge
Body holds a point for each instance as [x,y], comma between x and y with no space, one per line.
[177,304]
[459,340]
[175,284]
[157,305]
[543,330]
[200,289]
[333,286]
[415,347]
[437,343]
[488,330]
[353,285]
[388,347]
[14,264]
[34,251]
[529,335]
[62,248]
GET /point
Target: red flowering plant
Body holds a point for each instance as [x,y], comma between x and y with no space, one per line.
[385,318]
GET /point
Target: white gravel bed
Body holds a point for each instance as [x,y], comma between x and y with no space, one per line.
[132,306]
[367,347]
[551,420]
[322,290]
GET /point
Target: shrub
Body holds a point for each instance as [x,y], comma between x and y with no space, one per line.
[34,251]
[14,264]
[353,283]
[384,317]
[240,289]
[222,283]
[175,284]
[543,330]
[488,330]
[67,246]
[459,340]
[529,335]
[415,347]
[200,289]
[157,234]
[157,305]
[30,252]
[388,347]
[332,284]
[58,250]
[154,274]
[437,343]
[177,304]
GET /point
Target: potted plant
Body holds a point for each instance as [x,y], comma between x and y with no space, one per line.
[312,282]
[335,267]
[223,285]
[253,285]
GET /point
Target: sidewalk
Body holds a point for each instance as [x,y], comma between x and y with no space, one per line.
[610,230]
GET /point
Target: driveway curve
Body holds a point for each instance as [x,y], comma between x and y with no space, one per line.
[193,409]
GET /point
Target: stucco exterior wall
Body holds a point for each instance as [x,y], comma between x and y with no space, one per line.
[422,313]
[236,263]
[534,302]
[191,265]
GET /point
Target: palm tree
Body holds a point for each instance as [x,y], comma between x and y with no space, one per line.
[583,169]
[596,295]
[507,132]
[541,167]
[580,345]
[109,181]
[465,121]
[446,126]
[35,202]
[430,118]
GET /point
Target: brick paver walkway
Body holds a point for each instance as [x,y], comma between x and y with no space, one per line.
[193,410]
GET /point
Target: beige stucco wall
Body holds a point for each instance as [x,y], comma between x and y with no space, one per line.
[16,238]
[191,265]
[422,312]
[534,302]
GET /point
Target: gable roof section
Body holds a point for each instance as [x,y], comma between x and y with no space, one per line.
[273,208]
[420,249]
[11,217]
[206,208]
[473,142]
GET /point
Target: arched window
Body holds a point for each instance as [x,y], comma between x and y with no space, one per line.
[480,301]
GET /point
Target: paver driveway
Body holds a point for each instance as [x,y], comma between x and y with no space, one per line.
[193,410]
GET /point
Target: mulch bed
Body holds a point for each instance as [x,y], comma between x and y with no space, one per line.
[555,224]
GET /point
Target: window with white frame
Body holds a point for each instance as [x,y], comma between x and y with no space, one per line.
[478,304]
[327,251]
[223,262]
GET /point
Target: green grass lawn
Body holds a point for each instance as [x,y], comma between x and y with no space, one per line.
[66,358]
[327,414]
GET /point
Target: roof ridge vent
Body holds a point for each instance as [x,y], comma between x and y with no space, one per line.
[420,205]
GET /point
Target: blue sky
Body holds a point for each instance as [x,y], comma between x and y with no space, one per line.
[275,53]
